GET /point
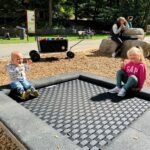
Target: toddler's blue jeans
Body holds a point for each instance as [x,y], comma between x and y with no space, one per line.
[21,86]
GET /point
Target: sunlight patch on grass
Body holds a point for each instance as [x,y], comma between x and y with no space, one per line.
[32,39]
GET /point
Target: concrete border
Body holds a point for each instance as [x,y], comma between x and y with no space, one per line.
[35,134]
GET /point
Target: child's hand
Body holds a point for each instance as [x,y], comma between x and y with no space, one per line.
[29,61]
[123,63]
[21,66]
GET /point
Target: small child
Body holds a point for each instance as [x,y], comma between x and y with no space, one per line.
[19,83]
[130,19]
[132,73]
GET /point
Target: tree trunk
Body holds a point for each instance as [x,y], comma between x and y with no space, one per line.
[95,10]
[76,9]
[146,18]
[50,13]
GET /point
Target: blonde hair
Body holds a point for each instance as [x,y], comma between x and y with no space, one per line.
[136,50]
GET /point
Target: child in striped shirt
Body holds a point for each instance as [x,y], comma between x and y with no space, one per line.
[19,83]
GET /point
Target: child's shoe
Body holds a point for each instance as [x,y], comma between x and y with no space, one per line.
[113,54]
[34,92]
[114,90]
[122,92]
[24,95]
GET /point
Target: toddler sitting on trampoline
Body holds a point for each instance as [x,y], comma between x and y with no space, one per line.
[132,73]
[19,84]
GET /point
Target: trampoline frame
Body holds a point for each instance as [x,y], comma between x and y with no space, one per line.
[31,131]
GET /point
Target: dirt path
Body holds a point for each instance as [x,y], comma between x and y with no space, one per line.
[6,49]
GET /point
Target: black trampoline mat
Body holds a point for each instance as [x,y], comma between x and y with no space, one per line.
[85,112]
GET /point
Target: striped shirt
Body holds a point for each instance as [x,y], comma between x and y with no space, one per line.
[17,73]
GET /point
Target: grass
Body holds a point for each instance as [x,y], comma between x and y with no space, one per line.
[32,39]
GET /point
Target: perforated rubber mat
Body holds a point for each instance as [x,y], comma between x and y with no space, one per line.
[85,112]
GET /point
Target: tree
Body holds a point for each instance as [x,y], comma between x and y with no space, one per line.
[146,16]
[50,13]
[58,12]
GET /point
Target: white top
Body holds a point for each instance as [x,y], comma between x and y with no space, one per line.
[117,30]
[17,73]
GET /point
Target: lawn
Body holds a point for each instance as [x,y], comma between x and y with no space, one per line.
[31,39]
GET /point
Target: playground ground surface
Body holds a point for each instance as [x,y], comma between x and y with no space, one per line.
[88,61]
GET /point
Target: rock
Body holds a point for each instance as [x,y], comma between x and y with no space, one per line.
[140,37]
[107,46]
[145,45]
[134,31]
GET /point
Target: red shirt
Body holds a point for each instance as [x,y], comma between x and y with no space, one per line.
[137,69]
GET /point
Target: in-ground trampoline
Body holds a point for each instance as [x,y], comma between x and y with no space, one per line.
[78,106]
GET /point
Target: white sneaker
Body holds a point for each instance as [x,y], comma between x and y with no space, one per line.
[122,92]
[115,90]
[114,54]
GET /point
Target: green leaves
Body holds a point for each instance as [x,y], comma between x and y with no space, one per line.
[104,11]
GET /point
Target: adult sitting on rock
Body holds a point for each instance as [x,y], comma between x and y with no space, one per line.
[116,34]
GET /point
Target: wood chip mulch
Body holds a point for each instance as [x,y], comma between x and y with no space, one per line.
[88,61]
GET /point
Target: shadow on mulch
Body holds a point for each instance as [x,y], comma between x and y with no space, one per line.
[51,59]
[97,53]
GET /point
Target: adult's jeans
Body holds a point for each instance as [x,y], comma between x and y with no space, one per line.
[119,40]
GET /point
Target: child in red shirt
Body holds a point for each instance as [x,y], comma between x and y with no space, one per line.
[132,73]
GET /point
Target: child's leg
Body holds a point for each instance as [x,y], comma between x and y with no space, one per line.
[30,89]
[17,86]
[26,84]
[132,82]
[121,76]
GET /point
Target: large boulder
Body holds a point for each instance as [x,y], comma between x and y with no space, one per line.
[145,45]
[135,32]
[108,46]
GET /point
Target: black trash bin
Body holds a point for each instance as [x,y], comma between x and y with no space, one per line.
[22,33]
